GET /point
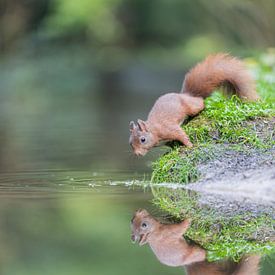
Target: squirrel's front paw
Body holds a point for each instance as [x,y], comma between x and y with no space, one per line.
[185,225]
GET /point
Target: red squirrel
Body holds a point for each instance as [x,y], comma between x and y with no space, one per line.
[166,240]
[171,109]
[170,247]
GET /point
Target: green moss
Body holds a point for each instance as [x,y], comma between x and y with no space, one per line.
[225,120]
[180,165]
[223,237]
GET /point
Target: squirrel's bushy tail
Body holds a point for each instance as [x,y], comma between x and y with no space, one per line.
[220,70]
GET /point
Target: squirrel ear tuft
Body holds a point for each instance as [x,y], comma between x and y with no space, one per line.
[132,125]
[142,125]
[142,212]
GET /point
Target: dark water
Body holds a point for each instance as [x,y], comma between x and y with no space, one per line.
[66,170]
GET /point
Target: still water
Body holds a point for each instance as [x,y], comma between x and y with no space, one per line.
[67,177]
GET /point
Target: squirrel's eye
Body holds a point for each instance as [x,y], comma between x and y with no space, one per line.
[144,225]
[142,139]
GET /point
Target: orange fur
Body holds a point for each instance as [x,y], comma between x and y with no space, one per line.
[220,70]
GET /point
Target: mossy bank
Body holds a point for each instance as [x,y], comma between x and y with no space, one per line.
[227,121]
[225,125]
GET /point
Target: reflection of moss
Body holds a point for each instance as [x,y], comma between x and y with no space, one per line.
[224,120]
[223,237]
[268,265]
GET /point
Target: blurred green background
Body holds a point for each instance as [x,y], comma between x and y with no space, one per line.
[73,74]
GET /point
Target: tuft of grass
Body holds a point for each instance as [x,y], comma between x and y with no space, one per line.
[222,237]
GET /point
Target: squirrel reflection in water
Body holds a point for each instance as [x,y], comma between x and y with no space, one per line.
[170,247]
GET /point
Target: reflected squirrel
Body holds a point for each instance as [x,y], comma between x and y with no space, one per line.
[171,248]
[171,109]
[166,240]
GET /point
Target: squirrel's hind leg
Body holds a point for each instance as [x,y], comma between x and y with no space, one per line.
[192,105]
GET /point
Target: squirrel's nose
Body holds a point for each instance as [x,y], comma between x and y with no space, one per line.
[140,153]
[136,152]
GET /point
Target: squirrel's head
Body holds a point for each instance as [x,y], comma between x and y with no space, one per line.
[141,139]
[142,225]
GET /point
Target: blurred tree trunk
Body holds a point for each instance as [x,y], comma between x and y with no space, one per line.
[18,17]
